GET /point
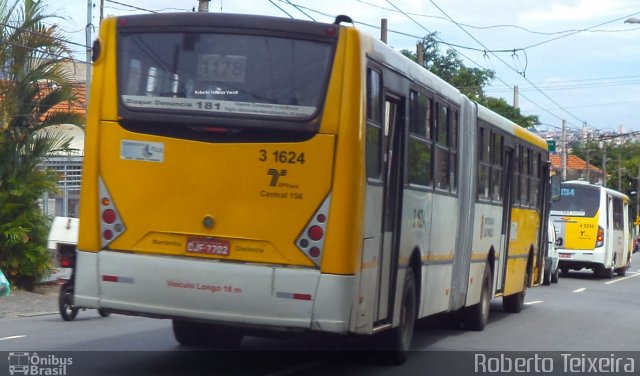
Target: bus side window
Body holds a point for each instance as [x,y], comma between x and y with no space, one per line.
[441,169]
[373,148]
[419,139]
[453,149]
[484,165]
[496,176]
[516,175]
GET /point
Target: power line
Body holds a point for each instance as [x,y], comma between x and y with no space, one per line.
[499,79]
[576,31]
[131,6]
[479,42]
[284,11]
[502,25]
[299,10]
[454,46]
[378,27]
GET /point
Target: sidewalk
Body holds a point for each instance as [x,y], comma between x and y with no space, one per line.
[43,301]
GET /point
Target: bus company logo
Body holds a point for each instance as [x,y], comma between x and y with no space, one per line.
[275,175]
[24,363]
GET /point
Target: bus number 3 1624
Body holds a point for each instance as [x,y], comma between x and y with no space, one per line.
[282,156]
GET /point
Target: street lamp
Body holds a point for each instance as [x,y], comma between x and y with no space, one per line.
[632,20]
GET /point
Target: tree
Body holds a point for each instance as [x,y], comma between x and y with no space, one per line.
[501,106]
[451,68]
[32,82]
[470,81]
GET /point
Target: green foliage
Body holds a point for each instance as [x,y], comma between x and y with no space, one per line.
[501,106]
[449,67]
[32,82]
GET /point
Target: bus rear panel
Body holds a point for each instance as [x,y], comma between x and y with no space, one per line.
[592,228]
[207,193]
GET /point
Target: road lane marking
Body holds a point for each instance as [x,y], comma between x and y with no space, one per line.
[621,279]
[533,302]
[11,337]
[581,289]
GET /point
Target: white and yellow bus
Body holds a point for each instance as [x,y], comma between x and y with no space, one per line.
[249,173]
[592,224]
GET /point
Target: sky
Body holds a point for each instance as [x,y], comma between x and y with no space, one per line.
[573,60]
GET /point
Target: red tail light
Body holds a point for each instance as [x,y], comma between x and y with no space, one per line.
[109,216]
[315,233]
[65,262]
[600,237]
[111,225]
[311,240]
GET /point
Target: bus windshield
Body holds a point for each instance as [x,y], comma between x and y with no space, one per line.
[227,74]
[577,201]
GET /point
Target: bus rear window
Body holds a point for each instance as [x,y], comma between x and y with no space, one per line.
[232,75]
[577,201]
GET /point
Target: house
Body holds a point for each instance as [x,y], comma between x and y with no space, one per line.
[577,169]
[66,201]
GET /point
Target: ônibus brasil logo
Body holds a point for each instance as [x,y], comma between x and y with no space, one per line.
[24,363]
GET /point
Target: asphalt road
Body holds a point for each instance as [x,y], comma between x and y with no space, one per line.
[581,314]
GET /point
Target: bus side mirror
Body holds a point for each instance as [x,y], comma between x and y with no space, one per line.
[555,188]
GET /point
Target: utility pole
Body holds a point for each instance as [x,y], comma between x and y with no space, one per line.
[604,164]
[420,53]
[516,96]
[383,30]
[638,199]
[588,174]
[88,57]
[619,172]
[203,5]
[564,150]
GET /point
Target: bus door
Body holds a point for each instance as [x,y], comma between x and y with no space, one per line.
[392,204]
[509,167]
[545,190]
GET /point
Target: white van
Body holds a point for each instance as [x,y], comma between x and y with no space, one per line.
[551,270]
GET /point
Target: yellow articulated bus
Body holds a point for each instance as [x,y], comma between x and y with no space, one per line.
[249,173]
[593,228]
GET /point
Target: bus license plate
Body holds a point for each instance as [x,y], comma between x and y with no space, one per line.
[208,246]
[565,255]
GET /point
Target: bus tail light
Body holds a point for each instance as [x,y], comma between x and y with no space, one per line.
[111,225]
[311,239]
[600,237]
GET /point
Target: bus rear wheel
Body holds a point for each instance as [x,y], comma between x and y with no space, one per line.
[196,334]
[476,316]
[394,344]
[604,271]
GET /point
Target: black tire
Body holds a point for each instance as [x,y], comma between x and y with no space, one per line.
[103,312]
[515,302]
[395,343]
[604,272]
[622,271]
[476,316]
[546,280]
[65,303]
[196,334]
[555,277]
